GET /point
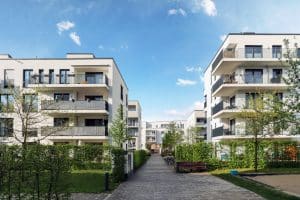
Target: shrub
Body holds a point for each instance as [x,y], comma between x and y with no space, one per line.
[139,158]
[118,158]
[198,152]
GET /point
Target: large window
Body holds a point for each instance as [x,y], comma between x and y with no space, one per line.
[253,51]
[61,96]
[277,74]
[131,108]
[94,77]
[6,127]
[61,121]
[250,99]
[64,76]
[27,74]
[51,76]
[6,103]
[30,103]
[253,76]
[276,51]
[41,76]
[94,122]
[121,92]
[93,98]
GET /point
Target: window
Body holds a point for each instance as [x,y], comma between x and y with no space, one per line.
[279,96]
[30,103]
[61,96]
[200,120]
[41,76]
[64,76]
[253,76]
[94,122]
[121,93]
[94,77]
[6,103]
[232,102]
[8,78]
[51,76]
[131,108]
[298,52]
[250,98]
[253,51]
[27,74]
[93,98]
[6,127]
[276,51]
[127,100]
[232,126]
[277,74]
[61,121]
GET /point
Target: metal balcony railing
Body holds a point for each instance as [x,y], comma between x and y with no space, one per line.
[74,105]
[217,108]
[255,53]
[70,79]
[220,131]
[75,131]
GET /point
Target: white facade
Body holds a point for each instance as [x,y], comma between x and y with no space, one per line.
[81,91]
[134,124]
[245,64]
[196,119]
[153,132]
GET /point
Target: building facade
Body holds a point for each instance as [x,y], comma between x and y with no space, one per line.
[134,124]
[76,98]
[154,132]
[195,128]
[245,64]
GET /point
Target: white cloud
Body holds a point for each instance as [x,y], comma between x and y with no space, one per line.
[223,37]
[64,26]
[208,6]
[178,11]
[202,78]
[75,38]
[185,82]
[124,46]
[101,47]
[198,105]
[193,69]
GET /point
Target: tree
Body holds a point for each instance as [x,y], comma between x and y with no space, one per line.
[292,79]
[173,137]
[193,134]
[259,115]
[23,104]
[118,129]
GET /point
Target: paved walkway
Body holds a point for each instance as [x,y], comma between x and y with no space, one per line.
[156,181]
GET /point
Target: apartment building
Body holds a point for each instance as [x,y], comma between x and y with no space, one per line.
[77,97]
[195,128]
[244,64]
[134,124]
[153,132]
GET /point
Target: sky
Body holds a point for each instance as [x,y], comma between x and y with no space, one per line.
[162,47]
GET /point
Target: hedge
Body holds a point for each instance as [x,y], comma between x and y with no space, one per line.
[198,152]
[118,159]
[139,158]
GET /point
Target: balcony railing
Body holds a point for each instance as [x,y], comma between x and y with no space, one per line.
[217,108]
[75,131]
[133,125]
[70,79]
[74,105]
[9,83]
[241,53]
[244,79]
[220,131]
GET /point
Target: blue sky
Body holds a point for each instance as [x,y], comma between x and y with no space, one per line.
[161,46]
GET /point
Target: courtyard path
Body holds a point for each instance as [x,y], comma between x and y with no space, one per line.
[156,181]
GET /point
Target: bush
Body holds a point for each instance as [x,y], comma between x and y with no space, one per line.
[139,158]
[198,152]
[283,164]
[118,158]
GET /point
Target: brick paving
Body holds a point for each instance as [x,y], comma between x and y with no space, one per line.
[156,181]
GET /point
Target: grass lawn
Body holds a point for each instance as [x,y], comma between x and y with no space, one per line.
[88,181]
[260,189]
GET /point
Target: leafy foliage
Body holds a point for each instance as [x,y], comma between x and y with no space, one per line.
[139,158]
[118,158]
[198,152]
[173,137]
[118,130]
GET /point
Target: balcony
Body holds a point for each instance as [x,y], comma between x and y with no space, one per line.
[53,106]
[225,111]
[72,80]
[230,58]
[9,83]
[227,85]
[220,131]
[74,131]
[133,125]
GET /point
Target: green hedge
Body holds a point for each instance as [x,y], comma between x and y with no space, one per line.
[198,152]
[139,158]
[118,158]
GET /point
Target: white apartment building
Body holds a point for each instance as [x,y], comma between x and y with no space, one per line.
[153,132]
[134,124]
[195,128]
[244,64]
[80,92]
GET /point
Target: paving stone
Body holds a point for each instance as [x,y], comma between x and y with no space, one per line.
[157,181]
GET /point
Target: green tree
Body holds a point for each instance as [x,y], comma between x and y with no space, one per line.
[118,129]
[193,134]
[173,137]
